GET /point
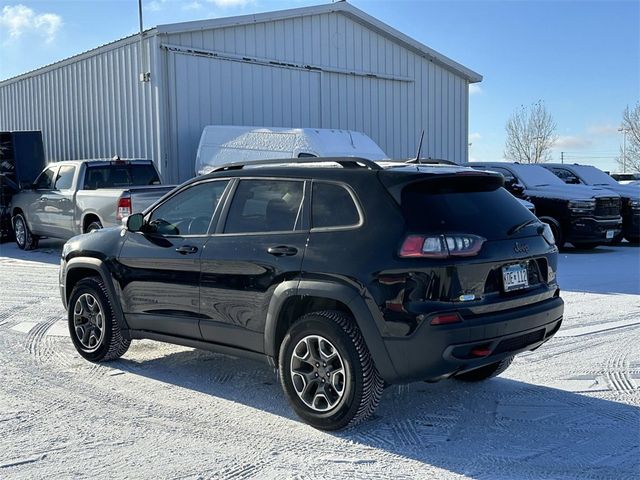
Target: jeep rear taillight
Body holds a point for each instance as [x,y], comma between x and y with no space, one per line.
[441,246]
[124,207]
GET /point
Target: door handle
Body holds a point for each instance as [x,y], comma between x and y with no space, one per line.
[282,251]
[185,249]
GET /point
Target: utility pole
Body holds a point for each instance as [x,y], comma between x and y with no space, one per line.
[561,157]
[624,148]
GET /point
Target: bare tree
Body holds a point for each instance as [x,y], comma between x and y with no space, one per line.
[629,159]
[531,132]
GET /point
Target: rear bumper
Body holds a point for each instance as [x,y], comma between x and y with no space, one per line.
[435,352]
[587,229]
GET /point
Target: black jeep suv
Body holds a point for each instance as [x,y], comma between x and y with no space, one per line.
[346,274]
[583,215]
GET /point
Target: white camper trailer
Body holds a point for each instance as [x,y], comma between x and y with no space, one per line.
[221,144]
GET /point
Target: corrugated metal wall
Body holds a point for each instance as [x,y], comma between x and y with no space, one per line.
[325,83]
[93,106]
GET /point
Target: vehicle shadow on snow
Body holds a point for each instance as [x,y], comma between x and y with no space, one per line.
[498,428]
[48,251]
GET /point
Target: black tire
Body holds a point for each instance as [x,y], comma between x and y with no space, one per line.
[24,238]
[633,240]
[111,344]
[361,384]
[96,225]
[585,246]
[617,239]
[556,229]
[486,372]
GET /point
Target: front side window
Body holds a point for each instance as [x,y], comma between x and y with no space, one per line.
[566,176]
[265,206]
[332,206]
[45,179]
[64,179]
[188,212]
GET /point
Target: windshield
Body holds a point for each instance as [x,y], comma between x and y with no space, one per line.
[535,176]
[593,176]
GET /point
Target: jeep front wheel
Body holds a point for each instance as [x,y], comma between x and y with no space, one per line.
[93,325]
[327,372]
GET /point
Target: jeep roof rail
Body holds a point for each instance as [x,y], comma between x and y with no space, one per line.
[346,162]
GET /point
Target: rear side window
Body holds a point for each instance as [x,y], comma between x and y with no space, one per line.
[332,206]
[64,179]
[490,213]
[265,206]
[120,175]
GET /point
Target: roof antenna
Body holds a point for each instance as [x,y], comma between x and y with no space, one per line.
[417,159]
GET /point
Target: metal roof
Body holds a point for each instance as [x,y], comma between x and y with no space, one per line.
[343,8]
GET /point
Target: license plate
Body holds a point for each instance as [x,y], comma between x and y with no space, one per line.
[515,277]
[609,234]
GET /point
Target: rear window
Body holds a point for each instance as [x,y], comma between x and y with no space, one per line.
[332,206]
[490,213]
[124,175]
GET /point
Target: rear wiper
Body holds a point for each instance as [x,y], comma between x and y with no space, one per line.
[516,228]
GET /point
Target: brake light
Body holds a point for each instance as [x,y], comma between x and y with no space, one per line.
[441,246]
[124,207]
[446,319]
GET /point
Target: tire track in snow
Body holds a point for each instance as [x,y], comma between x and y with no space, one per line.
[618,368]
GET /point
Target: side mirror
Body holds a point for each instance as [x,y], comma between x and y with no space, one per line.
[516,188]
[135,222]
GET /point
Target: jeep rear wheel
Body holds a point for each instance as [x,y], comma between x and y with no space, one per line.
[483,373]
[93,325]
[24,238]
[327,372]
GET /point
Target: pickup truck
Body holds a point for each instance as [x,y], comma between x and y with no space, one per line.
[585,216]
[73,197]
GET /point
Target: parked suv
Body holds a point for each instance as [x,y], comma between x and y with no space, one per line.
[345,278]
[584,216]
[574,174]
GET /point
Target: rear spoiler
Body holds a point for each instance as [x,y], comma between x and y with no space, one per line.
[459,181]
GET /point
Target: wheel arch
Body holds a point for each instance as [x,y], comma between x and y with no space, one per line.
[78,269]
[88,218]
[293,299]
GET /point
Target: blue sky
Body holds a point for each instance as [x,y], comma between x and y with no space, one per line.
[582,58]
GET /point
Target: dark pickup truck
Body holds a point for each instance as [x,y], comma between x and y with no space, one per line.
[585,216]
[629,194]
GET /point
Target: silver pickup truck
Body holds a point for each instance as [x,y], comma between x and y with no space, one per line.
[73,197]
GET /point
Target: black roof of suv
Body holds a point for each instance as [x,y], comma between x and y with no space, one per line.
[346,274]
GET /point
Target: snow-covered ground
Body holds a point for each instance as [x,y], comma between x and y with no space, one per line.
[568,410]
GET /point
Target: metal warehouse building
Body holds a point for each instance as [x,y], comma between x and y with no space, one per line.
[327,66]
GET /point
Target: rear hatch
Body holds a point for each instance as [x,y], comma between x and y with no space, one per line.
[471,243]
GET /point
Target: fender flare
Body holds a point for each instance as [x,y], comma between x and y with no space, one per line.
[100,268]
[369,325]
